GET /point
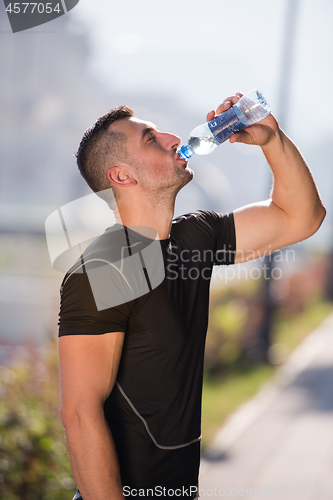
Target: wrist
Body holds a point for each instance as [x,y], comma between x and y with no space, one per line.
[276,141]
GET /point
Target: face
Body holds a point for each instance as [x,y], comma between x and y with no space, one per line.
[154,156]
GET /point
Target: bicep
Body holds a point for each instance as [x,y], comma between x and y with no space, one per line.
[88,368]
[260,229]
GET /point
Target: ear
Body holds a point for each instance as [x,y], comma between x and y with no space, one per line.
[122,175]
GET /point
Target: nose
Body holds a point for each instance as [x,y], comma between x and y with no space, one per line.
[169,141]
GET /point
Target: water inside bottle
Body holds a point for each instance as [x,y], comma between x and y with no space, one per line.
[203,145]
[254,106]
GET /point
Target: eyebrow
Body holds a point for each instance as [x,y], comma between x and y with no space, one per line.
[148,130]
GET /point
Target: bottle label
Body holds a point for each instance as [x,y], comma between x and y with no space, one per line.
[225,125]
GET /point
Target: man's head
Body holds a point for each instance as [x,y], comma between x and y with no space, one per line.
[121,151]
[101,148]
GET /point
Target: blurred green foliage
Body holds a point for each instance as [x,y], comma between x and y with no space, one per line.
[33,460]
[237,313]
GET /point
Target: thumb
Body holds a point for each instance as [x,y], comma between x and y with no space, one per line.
[235,138]
[244,136]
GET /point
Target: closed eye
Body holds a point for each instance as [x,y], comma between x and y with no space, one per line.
[151,138]
[148,134]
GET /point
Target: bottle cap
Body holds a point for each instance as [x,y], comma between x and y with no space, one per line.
[185,152]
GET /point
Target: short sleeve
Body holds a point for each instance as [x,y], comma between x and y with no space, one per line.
[223,226]
[78,311]
[210,230]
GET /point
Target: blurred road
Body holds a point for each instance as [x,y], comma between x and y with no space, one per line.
[279,445]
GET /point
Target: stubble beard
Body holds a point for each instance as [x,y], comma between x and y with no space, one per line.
[167,194]
[185,176]
[166,191]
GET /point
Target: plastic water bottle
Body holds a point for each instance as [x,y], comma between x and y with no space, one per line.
[251,108]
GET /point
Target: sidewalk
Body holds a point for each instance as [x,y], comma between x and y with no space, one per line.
[280,444]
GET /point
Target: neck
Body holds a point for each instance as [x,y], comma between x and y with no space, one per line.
[156,213]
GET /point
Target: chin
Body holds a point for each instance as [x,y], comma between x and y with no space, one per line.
[187,176]
[190,171]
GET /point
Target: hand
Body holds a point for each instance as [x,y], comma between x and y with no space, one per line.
[259,134]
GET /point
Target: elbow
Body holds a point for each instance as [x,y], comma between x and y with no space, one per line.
[71,415]
[68,415]
[323,213]
[312,225]
[309,225]
[319,217]
[74,415]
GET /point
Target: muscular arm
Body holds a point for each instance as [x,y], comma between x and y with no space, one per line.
[294,212]
[88,369]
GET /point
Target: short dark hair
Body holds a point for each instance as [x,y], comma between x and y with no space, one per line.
[99,147]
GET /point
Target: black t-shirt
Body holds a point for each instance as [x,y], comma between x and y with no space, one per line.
[154,410]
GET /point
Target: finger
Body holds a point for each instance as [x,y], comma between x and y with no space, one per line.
[226,104]
[210,115]
[235,138]
[243,136]
[233,98]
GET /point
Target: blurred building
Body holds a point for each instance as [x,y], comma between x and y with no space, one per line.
[46,100]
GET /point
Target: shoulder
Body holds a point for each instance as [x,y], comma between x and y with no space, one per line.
[103,253]
[207,230]
[110,275]
[201,216]
[89,304]
[202,221]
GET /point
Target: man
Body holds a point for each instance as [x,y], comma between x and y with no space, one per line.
[131,374]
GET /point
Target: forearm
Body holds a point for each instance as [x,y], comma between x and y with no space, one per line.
[93,457]
[295,210]
[294,190]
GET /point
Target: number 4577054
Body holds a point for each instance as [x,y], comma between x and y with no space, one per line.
[32,7]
